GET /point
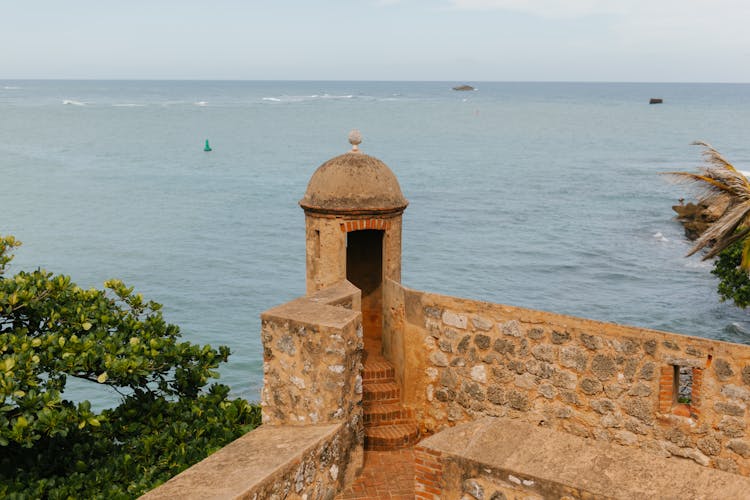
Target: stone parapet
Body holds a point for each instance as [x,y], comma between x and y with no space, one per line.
[493,458]
[309,462]
[312,360]
[669,394]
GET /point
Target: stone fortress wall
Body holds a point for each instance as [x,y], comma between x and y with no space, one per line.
[486,383]
[463,359]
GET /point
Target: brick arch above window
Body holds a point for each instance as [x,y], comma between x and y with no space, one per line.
[361,224]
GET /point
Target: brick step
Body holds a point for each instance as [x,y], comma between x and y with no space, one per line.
[391,437]
[381,392]
[378,369]
[377,414]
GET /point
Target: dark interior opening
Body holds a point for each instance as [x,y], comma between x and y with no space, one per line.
[364,269]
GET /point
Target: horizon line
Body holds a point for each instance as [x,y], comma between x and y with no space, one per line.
[367,81]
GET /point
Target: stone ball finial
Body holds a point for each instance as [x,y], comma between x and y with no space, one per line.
[355,139]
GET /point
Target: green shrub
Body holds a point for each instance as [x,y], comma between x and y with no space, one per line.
[168,419]
[734,282]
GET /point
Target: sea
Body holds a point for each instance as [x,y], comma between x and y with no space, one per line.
[541,195]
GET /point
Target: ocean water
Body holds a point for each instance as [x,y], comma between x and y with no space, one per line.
[542,195]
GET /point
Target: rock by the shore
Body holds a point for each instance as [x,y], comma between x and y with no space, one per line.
[463,87]
[655,100]
[697,217]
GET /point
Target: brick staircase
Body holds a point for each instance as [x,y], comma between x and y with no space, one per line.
[388,425]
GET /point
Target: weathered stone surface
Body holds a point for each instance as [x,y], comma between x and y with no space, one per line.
[573,357]
[648,371]
[473,489]
[540,368]
[438,358]
[614,391]
[746,374]
[694,351]
[544,352]
[640,408]
[603,366]
[726,464]
[535,333]
[602,406]
[503,375]
[479,373]
[444,394]
[547,391]
[679,437]
[610,420]
[723,369]
[482,323]
[650,347]
[626,346]
[591,386]
[463,346]
[518,400]
[626,438]
[511,328]
[474,390]
[709,445]
[496,395]
[433,312]
[736,392]
[642,390]
[732,427]
[482,341]
[740,447]
[690,453]
[571,398]
[560,337]
[670,344]
[525,381]
[517,366]
[504,346]
[564,379]
[445,345]
[731,409]
[455,320]
[448,378]
[269,462]
[592,342]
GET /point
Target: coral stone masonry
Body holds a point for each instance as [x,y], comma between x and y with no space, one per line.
[508,402]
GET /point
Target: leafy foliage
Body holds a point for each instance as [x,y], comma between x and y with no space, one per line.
[719,180]
[51,329]
[734,282]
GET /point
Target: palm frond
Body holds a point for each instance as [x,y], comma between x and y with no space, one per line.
[720,232]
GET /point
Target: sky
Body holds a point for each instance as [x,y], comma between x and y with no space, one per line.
[446,40]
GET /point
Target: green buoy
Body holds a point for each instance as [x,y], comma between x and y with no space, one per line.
[207,148]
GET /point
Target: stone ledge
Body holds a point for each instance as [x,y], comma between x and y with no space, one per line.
[547,463]
[307,312]
[248,464]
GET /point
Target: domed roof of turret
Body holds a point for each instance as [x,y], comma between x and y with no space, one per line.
[353,183]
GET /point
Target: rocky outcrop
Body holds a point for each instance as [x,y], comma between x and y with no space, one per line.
[696,217]
[463,87]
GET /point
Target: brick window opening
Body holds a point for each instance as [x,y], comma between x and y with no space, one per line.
[679,390]
[683,381]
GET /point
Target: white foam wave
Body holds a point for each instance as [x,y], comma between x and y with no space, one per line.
[745,173]
[660,237]
[73,103]
[11,87]
[201,103]
[128,105]
[303,98]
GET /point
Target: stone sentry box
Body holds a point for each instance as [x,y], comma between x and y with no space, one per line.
[353,208]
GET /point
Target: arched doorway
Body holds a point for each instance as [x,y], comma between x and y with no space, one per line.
[364,269]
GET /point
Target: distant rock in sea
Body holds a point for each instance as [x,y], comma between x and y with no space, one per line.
[655,100]
[463,87]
